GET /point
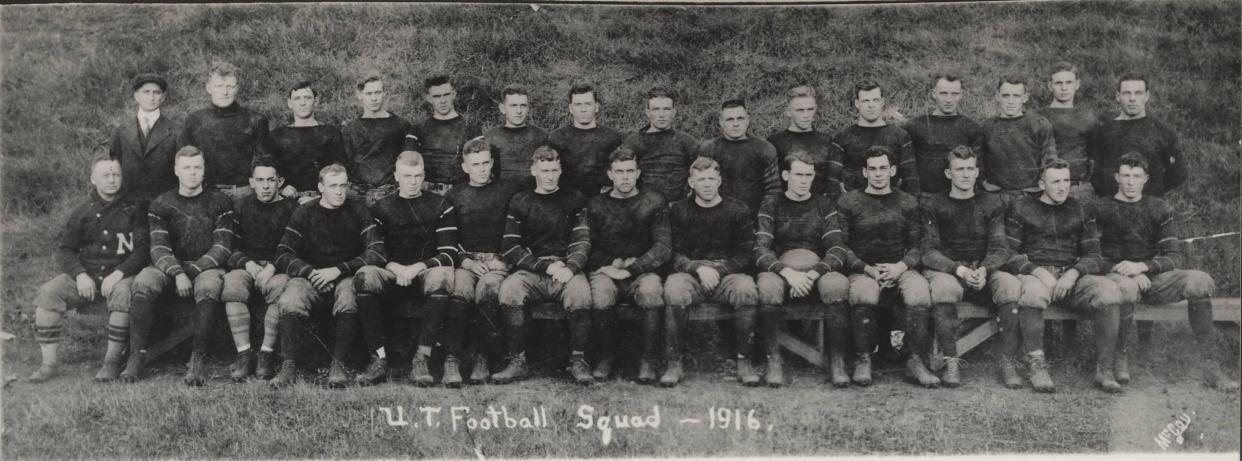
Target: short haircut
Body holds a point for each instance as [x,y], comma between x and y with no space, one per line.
[1063,66]
[731,103]
[798,155]
[474,146]
[304,84]
[223,69]
[545,153]
[267,161]
[1012,79]
[704,164]
[516,89]
[1132,159]
[878,151]
[187,152]
[1133,77]
[368,79]
[621,154]
[800,91]
[661,92]
[867,85]
[410,158]
[584,88]
[961,152]
[435,80]
[946,76]
[1052,163]
[334,168]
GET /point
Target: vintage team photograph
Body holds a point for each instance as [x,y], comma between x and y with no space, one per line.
[472,231]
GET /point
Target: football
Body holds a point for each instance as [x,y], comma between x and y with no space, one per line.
[800,259]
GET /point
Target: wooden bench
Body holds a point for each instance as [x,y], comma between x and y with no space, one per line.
[1223,310]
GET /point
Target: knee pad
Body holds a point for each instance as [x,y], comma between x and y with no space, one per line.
[1198,285]
[833,287]
[235,290]
[771,288]
[1128,287]
[603,291]
[368,280]
[864,291]
[650,293]
[740,290]
[1006,288]
[439,280]
[679,290]
[1034,293]
[914,289]
[513,291]
[1100,291]
[944,288]
[207,286]
[577,293]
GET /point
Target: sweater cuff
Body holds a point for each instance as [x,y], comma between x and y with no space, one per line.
[574,267]
[1154,267]
[911,262]
[821,268]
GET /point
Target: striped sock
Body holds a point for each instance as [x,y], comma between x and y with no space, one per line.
[271,328]
[239,324]
[48,338]
[118,336]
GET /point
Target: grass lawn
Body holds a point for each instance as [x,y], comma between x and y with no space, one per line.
[72,417]
[65,71]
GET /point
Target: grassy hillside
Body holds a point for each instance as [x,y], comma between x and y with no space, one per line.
[66,70]
[65,73]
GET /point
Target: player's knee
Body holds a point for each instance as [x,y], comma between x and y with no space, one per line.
[740,290]
[650,293]
[914,289]
[1099,291]
[439,280]
[513,290]
[577,294]
[148,282]
[945,288]
[1198,285]
[678,290]
[236,289]
[1034,293]
[1006,288]
[368,280]
[54,295]
[1128,288]
[833,287]
[771,288]
[603,291]
[864,291]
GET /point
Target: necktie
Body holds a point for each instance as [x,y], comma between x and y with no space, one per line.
[146,126]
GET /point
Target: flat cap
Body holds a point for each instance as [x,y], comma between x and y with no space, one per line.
[143,79]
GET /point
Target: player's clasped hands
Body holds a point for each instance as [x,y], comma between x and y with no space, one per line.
[322,278]
[709,277]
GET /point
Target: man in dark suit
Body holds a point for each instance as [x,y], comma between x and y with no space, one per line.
[145,144]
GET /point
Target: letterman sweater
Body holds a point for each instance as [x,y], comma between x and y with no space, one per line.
[665,157]
[785,224]
[420,229]
[584,156]
[190,234]
[633,227]
[543,228]
[230,137]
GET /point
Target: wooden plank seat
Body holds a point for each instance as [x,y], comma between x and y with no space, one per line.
[1223,310]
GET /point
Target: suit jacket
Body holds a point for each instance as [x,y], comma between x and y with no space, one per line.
[146,165]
